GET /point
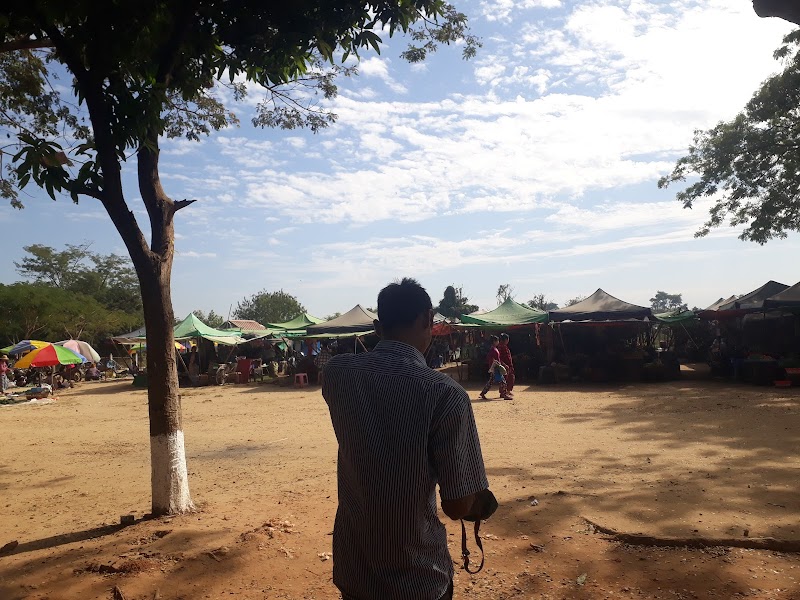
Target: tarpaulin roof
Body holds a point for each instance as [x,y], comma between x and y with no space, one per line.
[442,329]
[131,338]
[299,322]
[675,318]
[721,302]
[600,306]
[790,297]
[192,327]
[357,320]
[755,299]
[509,313]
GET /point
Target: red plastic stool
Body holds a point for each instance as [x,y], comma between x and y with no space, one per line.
[301,380]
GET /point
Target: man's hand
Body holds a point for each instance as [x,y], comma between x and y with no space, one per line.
[474,507]
[459,508]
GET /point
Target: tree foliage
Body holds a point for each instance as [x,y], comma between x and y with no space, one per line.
[38,311]
[663,302]
[454,303]
[269,307]
[539,301]
[505,292]
[574,300]
[750,166]
[211,319]
[147,71]
[108,278]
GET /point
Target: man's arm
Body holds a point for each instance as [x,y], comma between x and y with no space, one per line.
[456,456]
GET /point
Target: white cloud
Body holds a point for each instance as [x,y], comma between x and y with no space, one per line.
[614,97]
[284,230]
[379,67]
[194,254]
[500,10]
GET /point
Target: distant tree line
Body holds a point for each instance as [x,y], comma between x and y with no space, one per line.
[66,293]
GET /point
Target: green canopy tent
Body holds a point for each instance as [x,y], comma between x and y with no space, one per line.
[296,327]
[192,327]
[301,321]
[508,314]
[676,318]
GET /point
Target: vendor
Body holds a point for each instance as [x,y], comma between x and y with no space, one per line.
[93,373]
[3,373]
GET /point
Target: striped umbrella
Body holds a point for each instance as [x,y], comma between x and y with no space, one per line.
[49,356]
[25,346]
[80,347]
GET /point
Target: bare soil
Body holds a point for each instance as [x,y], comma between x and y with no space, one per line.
[680,459]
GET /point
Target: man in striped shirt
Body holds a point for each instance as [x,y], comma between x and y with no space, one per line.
[402,429]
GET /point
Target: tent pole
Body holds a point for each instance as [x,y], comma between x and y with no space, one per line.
[689,335]
[563,345]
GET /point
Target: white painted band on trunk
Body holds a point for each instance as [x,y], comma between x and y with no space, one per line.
[170,479]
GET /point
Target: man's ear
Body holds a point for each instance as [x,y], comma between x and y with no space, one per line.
[425,320]
[378,328]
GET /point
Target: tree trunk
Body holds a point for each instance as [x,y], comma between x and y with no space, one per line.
[153,264]
[169,477]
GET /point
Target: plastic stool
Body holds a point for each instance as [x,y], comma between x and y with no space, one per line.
[300,380]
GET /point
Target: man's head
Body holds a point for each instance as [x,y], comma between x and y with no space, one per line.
[494,340]
[504,339]
[405,314]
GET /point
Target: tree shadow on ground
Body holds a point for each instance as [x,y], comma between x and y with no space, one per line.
[555,548]
[705,458]
[166,558]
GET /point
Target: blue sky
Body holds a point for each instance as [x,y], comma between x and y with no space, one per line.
[534,164]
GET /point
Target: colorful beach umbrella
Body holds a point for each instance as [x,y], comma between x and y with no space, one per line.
[80,347]
[25,346]
[49,356]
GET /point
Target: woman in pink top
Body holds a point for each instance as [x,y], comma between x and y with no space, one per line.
[491,358]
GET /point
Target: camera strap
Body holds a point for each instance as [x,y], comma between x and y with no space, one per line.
[465,550]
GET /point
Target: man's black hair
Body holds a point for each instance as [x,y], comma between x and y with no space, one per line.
[503,337]
[494,339]
[400,304]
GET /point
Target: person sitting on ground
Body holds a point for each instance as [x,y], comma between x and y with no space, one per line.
[60,381]
[402,428]
[93,373]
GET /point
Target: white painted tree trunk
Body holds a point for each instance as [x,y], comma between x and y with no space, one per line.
[170,479]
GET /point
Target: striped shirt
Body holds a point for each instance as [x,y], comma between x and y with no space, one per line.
[402,429]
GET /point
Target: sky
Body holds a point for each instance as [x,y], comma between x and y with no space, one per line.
[533,164]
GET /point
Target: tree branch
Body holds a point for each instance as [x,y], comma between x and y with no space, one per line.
[789,10]
[179,204]
[171,51]
[25,44]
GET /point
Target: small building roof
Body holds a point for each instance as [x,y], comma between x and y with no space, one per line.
[243,325]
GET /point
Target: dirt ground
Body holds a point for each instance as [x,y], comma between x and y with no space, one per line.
[688,458]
